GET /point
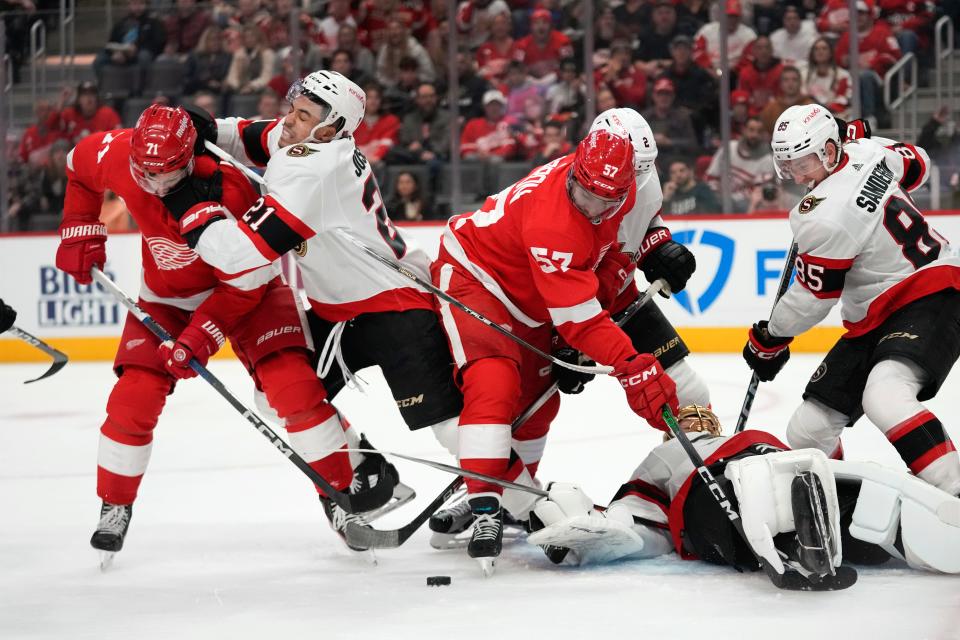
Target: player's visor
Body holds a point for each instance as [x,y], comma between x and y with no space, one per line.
[592,206]
[159,184]
[297,90]
[797,167]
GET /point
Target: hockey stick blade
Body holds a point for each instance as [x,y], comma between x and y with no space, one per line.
[60,359]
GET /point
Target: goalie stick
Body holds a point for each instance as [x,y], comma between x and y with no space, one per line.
[754,380]
[790,579]
[388,539]
[346,501]
[60,359]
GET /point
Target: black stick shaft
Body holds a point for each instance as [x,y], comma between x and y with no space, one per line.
[60,359]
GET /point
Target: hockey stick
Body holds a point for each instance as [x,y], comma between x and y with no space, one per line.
[344,500]
[244,169]
[467,310]
[790,579]
[60,359]
[754,380]
[382,539]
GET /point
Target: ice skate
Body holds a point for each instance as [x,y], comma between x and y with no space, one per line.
[111,531]
[373,470]
[487,539]
[451,526]
[339,518]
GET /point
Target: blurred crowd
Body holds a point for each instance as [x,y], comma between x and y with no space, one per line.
[522,85]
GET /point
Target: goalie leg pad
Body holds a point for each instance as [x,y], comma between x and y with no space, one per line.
[763,486]
[927,518]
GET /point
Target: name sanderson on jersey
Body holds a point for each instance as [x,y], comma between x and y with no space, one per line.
[875,187]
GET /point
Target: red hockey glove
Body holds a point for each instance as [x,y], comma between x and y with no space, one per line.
[201,339]
[612,273]
[648,388]
[82,246]
[764,353]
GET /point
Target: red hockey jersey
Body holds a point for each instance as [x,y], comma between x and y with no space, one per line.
[531,249]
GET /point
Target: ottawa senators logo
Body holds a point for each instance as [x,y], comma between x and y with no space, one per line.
[809,203]
[301,249]
[299,151]
[819,373]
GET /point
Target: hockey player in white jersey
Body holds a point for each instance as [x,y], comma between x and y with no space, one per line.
[862,241]
[871,514]
[318,182]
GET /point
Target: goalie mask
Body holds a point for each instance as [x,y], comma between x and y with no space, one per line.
[696,419]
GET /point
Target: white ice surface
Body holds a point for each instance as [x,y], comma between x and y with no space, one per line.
[228,540]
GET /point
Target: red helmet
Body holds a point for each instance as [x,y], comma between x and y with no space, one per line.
[602,174]
[161,149]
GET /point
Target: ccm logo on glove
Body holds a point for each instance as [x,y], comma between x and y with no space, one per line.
[640,377]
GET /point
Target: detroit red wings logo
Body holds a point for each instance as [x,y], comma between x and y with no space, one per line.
[170,255]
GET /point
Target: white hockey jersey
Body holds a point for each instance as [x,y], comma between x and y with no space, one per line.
[312,190]
[862,241]
[644,215]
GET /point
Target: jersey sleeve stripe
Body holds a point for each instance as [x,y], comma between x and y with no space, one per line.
[274,232]
[827,263]
[253,134]
[577,313]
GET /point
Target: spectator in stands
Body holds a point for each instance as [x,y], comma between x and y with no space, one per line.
[253,63]
[209,63]
[519,87]
[706,51]
[656,37]
[425,131]
[378,131]
[750,162]
[268,106]
[400,97]
[695,86]
[945,150]
[489,137]
[184,26]
[312,55]
[338,14]
[363,59]
[760,74]
[475,19]
[86,115]
[683,194]
[529,131]
[277,26]
[35,144]
[825,82]
[342,62]
[605,99]
[911,23]
[18,18]
[790,93]
[471,86]
[53,179]
[604,32]
[567,95]
[408,202]
[555,143]
[208,102]
[768,197]
[137,38]
[495,54]
[671,124]
[628,82]
[693,14]
[544,48]
[834,18]
[739,111]
[878,52]
[631,16]
[792,42]
[399,44]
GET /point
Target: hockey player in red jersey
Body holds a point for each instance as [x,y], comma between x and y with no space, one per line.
[863,242]
[665,506]
[526,260]
[192,300]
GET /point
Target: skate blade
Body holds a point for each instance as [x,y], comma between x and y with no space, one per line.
[450,541]
[106,560]
[487,566]
[402,494]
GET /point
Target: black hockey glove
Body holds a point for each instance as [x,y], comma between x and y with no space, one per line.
[205,125]
[667,259]
[571,381]
[191,191]
[764,353]
[8,316]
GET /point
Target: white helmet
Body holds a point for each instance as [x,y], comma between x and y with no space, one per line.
[800,131]
[342,101]
[627,123]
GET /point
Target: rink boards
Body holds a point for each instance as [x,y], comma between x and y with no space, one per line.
[739,259]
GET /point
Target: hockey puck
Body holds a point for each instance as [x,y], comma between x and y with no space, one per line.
[438,581]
